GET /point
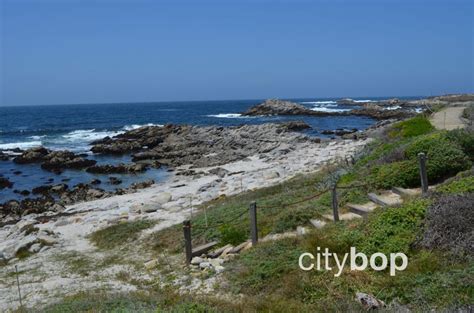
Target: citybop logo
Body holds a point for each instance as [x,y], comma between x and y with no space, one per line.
[358,261]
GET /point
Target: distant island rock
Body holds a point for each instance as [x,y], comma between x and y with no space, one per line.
[281,107]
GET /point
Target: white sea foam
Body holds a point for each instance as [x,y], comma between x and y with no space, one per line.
[21,145]
[88,135]
[320,102]
[135,126]
[324,109]
[363,101]
[37,137]
[392,108]
[226,115]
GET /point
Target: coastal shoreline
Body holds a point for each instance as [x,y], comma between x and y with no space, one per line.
[168,203]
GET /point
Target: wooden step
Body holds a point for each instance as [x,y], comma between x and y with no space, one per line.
[317,223]
[386,198]
[204,248]
[362,209]
[342,217]
[407,192]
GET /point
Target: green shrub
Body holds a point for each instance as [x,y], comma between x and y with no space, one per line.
[462,185]
[398,174]
[289,219]
[416,126]
[445,159]
[464,138]
[425,144]
[232,235]
[394,229]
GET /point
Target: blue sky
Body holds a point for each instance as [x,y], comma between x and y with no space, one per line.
[72,51]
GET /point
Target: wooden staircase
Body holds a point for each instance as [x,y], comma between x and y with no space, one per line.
[387,198]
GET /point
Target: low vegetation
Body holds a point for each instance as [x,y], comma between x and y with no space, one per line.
[119,234]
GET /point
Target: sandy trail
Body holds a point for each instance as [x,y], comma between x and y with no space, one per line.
[448,118]
[46,276]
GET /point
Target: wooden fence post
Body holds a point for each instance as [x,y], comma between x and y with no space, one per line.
[253,222]
[423,174]
[335,208]
[187,241]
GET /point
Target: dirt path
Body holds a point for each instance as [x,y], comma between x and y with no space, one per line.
[448,118]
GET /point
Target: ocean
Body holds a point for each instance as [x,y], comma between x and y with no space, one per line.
[73,127]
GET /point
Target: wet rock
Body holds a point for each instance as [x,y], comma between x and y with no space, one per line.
[4,156]
[95,182]
[339,131]
[142,185]
[59,188]
[114,180]
[32,155]
[58,160]
[117,169]
[41,189]
[5,183]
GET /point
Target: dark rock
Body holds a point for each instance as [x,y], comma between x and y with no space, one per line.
[114,180]
[17,172]
[25,192]
[58,160]
[117,169]
[346,101]
[142,185]
[280,107]
[41,189]
[95,181]
[203,146]
[5,183]
[4,156]
[219,171]
[32,155]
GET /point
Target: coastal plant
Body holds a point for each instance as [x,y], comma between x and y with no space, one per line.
[464,138]
[116,235]
[230,234]
[449,223]
[460,185]
[416,126]
[394,229]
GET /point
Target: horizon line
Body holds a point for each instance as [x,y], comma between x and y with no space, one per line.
[216,100]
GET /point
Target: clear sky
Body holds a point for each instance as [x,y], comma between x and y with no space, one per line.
[71,51]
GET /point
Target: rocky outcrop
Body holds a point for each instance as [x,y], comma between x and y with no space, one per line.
[117,169]
[280,107]
[374,110]
[5,183]
[4,156]
[339,131]
[58,160]
[33,155]
[175,145]
[53,161]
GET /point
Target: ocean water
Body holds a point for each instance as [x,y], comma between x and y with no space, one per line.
[73,127]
